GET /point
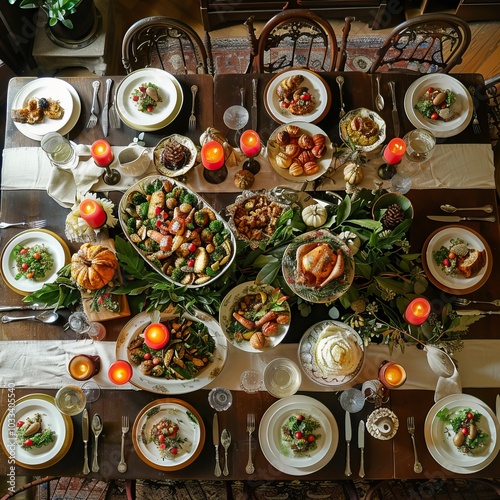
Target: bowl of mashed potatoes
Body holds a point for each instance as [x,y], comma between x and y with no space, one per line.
[331,353]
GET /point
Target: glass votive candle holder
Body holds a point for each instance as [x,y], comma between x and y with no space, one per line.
[391,375]
[83,366]
[213,160]
[120,372]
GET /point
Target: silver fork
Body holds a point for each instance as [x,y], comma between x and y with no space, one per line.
[36,224]
[95,105]
[122,466]
[114,119]
[410,424]
[465,302]
[250,428]
[192,118]
[475,122]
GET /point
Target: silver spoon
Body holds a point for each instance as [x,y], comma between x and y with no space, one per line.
[379,100]
[226,442]
[45,317]
[451,209]
[340,82]
[96,429]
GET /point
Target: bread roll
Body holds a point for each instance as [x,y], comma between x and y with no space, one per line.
[293,130]
[305,141]
[292,150]
[296,169]
[283,161]
[310,168]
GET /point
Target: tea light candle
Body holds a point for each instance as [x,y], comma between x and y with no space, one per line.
[120,372]
[82,367]
[250,143]
[92,213]
[394,151]
[392,375]
[212,155]
[418,311]
[101,153]
[156,336]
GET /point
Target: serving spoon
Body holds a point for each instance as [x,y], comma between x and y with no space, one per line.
[451,209]
[44,317]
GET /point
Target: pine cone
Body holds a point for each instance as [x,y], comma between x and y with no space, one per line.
[393,216]
[174,156]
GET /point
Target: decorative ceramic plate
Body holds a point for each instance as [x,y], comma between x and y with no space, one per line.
[52,418]
[347,119]
[324,162]
[52,88]
[307,354]
[439,128]
[318,294]
[166,110]
[432,441]
[161,385]
[183,141]
[297,402]
[54,244]
[191,434]
[455,284]
[317,88]
[228,306]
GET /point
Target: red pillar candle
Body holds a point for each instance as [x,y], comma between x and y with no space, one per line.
[212,155]
[394,151]
[102,153]
[418,311]
[250,143]
[156,336]
[392,375]
[120,372]
[92,213]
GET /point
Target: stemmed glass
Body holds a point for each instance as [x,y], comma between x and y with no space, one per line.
[236,117]
[352,400]
[420,145]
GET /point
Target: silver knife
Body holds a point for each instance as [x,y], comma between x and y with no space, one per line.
[475,312]
[33,307]
[498,407]
[395,116]
[85,438]
[215,434]
[254,104]
[361,446]
[348,436]
[105,109]
[457,218]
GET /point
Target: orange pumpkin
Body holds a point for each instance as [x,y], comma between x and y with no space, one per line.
[93,266]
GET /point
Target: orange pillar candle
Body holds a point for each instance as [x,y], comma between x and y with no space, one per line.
[102,153]
[250,143]
[392,375]
[418,311]
[394,151]
[83,367]
[92,213]
[212,155]
[156,336]
[120,372]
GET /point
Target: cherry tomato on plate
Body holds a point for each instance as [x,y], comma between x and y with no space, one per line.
[19,423]
[434,116]
[28,442]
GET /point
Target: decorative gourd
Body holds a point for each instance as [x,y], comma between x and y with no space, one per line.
[353,174]
[351,240]
[243,179]
[93,266]
[314,215]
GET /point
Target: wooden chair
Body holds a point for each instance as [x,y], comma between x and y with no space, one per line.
[425,44]
[169,44]
[296,38]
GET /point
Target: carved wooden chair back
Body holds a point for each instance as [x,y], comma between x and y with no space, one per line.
[169,44]
[425,44]
[296,38]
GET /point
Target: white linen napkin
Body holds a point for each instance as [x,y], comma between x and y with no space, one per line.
[448,385]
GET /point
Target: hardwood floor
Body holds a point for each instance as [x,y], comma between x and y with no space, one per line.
[483,55]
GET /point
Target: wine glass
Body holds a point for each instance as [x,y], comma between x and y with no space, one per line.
[236,117]
[352,400]
[70,400]
[420,145]
[91,390]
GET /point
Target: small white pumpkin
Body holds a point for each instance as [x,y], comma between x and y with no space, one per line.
[353,174]
[314,215]
[351,240]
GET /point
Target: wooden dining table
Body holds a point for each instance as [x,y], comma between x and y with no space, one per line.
[383,459]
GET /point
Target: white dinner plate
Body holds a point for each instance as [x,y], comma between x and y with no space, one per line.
[166,110]
[161,385]
[191,431]
[456,284]
[281,448]
[54,244]
[227,308]
[323,163]
[276,462]
[52,418]
[317,88]
[453,401]
[439,128]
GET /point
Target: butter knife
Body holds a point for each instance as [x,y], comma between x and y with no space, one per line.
[253,111]
[475,312]
[215,435]
[395,116]
[105,109]
[457,218]
[85,438]
[348,436]
[361,446]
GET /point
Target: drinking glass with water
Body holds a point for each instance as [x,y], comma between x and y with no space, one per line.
[59,150]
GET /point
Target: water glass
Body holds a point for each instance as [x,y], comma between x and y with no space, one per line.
[91,390]
[420,144]
[352,400]
[282,378]
[251,381]
[59,150]
[400,183]
[70,400]
[220,398]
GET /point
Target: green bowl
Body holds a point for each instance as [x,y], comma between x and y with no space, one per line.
[384,201]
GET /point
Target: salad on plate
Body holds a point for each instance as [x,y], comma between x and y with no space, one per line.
[298,434]
[438,104]
[32,262]
[146,97]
